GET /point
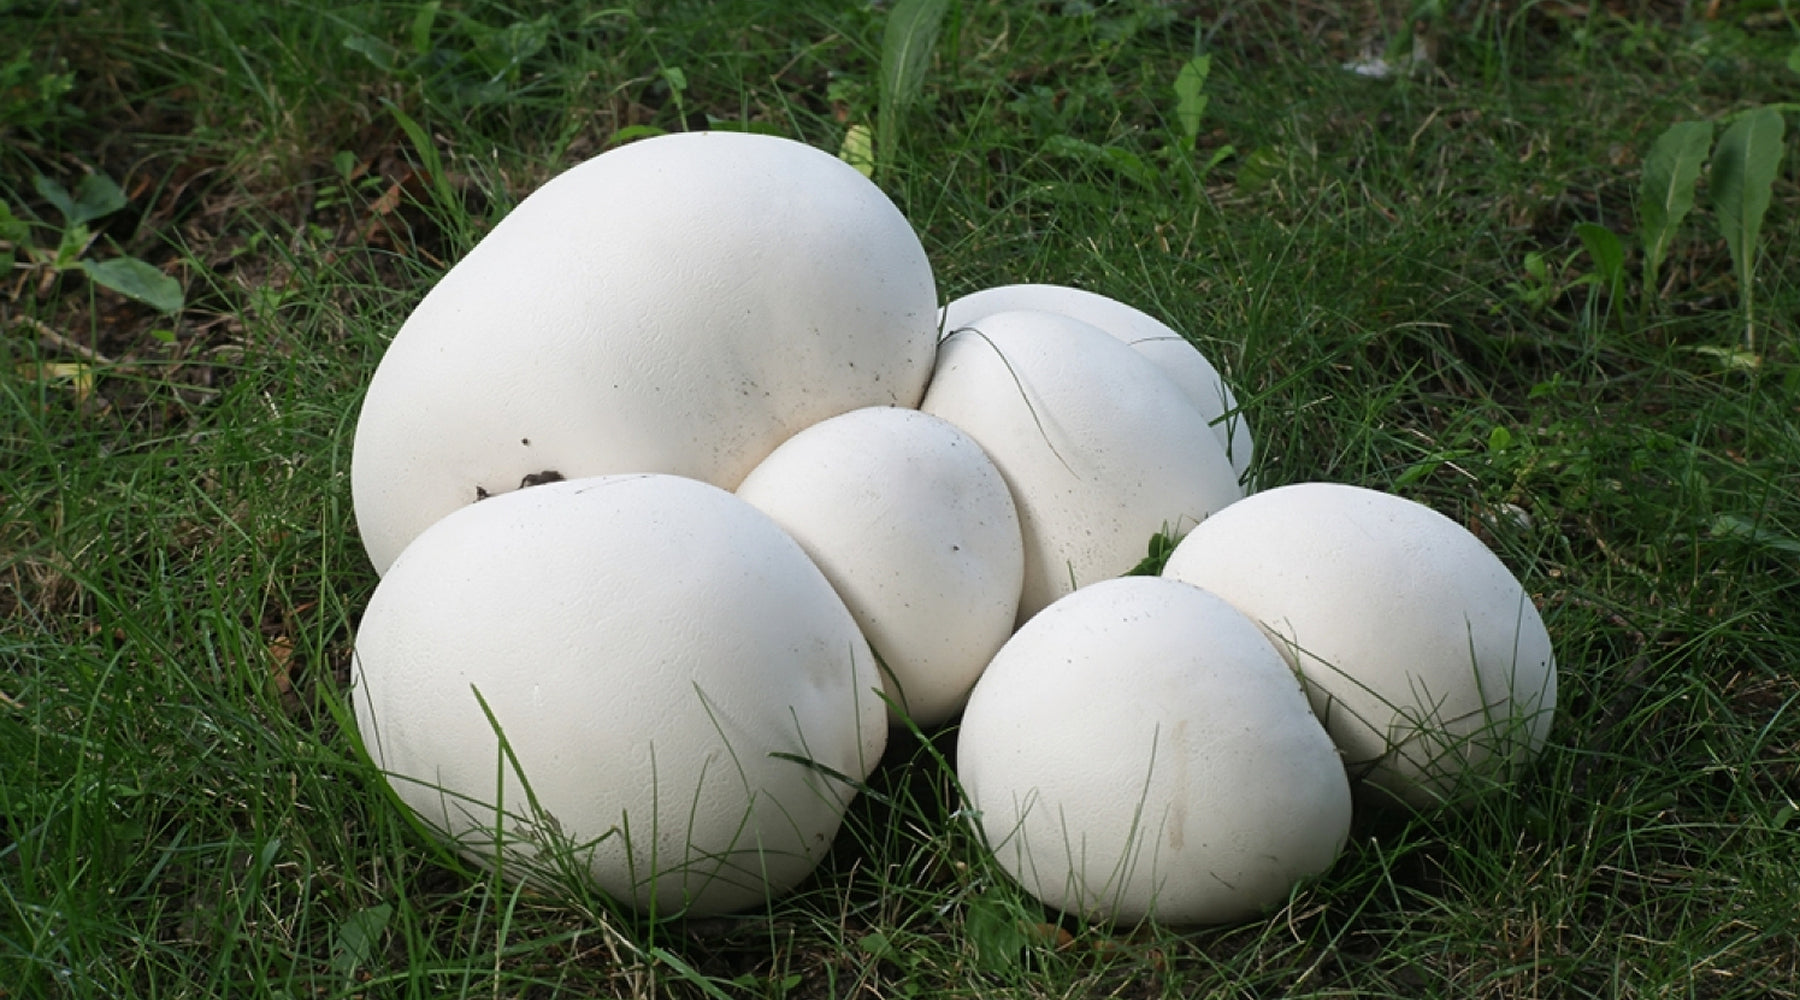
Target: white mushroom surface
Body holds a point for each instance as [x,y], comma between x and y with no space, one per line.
[1140,749]
[915,528]
[681,304]
[1100,449]
[678,684]
[1421,652]
[1174,354]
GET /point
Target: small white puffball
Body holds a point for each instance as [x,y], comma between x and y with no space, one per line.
[1140,749]
[681,304]
[1421,652]
[677,685]
[1100,449]
[915,528]
[1174,354]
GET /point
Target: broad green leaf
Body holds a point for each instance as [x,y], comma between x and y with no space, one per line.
[876,944]
[135,279]
[1130,164]
[1116,158]
[859,150]
[69,248]
[1751,531]
[57,196]
[998,934]
[631,133]
[1190,97]
[357,937]
[524,39]
[1608,253]
[1536,265]
[1417,471]
[379,53]
[1743,173]
[1259,169]
[419,32]
[1667,191]
[500,51]
[12,228]
[1793,59]
[1219,156]
[906,43]
[1156,555]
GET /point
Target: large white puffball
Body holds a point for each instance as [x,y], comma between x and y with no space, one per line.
[1100,449]
[663,661]
[681,304]
[1421,652]
[915,528]
[1178,358]
[1139,748]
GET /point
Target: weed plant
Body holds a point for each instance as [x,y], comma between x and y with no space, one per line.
[1389,272]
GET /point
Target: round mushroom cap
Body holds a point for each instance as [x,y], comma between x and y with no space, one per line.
[1100,449]
[1172,353]
[681,305]
[679,690]
[915,528]
[1140,749]
[1422,654]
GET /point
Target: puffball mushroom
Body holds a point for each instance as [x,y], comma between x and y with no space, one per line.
[679,689]
[1100,449]
[915,528]
[1421,652]
[1174,354]
[1140,749]
[681,304]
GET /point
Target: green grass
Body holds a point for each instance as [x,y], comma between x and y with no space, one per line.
[182,812]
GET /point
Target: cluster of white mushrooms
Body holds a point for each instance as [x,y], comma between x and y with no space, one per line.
[683,489]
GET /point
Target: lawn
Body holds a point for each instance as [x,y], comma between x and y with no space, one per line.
[1406,278]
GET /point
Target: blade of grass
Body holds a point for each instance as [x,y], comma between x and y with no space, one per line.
[428,155]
